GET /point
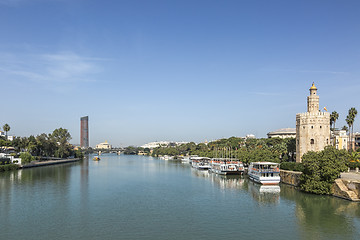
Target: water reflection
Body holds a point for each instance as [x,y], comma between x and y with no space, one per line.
[114,190]
[227,182]
[264,193]
[322,217]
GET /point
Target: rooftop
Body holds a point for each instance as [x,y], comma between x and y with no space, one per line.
[284,131]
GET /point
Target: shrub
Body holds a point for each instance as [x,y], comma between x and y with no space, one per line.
[8,167]
[292,166]
[321,169]
[26,158]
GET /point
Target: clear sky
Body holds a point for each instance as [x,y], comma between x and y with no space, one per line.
[180,70]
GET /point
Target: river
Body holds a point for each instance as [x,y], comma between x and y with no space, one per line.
[138,197]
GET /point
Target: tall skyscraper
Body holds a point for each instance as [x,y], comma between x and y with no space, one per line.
[84,132]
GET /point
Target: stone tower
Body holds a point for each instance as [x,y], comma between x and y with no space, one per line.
[312,127]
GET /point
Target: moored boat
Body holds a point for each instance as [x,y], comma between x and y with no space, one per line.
[185,160]
[267,173]
[200,163]
[227,167]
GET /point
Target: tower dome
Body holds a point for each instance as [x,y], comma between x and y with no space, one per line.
[313,87]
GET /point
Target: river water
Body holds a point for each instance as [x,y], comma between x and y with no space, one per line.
[138,197]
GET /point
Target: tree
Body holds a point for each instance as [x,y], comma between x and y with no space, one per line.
[26,158]
[333,117]
[321,169]
[6,128]
[62,137]
[131,150]
[345,128]
[350,118]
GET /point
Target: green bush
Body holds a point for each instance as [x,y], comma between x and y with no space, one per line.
[26,158]
[8,167]
[79,154]
[292,166]
[321,169]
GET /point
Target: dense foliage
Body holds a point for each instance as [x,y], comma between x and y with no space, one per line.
[292,166]
[249,150]
[322,168]
[8,167]
[131,150]
[55,144]
[26,158]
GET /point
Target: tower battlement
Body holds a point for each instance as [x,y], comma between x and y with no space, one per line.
[307,114]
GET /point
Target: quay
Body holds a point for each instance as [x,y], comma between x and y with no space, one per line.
[50,162]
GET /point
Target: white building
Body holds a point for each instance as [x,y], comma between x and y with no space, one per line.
[283,133]
[12,158]
[104,145]
[153,145]
[340,139]
[10,138]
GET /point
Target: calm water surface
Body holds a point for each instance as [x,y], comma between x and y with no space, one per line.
[135,197]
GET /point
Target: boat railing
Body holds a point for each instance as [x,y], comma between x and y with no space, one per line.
[276,170]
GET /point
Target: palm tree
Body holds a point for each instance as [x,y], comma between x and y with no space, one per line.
[350,118]
[345,128]
[335,116]
[331,121]
[6,128]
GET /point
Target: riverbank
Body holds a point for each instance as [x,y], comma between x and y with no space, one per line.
[50,162]
[346,187]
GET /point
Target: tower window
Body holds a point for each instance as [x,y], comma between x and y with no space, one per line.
[320,127]
[312,141]
[312,127]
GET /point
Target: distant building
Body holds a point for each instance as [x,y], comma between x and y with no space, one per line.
[84,132]
[339,139]
[10,138]
[153,145]
[283,133]
[312,127]
[104,145]
[356,140]
[250,136]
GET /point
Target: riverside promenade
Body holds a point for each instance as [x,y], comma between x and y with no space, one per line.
[351,176]
[50,162]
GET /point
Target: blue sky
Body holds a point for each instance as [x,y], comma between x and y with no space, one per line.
[174,70]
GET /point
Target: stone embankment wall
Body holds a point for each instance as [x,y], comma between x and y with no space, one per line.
[347,189]
[290,177]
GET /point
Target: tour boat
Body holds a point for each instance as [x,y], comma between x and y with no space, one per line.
[96,158]
[227,167]
[200,163]
[267,173]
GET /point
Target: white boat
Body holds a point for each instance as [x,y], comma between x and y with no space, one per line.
[185,160]
[267,173]
[227,167]
[200,163]
[166,157]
